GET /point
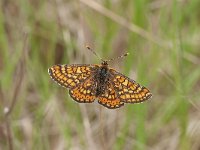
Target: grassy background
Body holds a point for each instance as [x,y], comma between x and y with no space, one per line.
[163,39]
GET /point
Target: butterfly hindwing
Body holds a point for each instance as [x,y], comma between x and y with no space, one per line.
[110,98]
[84,92]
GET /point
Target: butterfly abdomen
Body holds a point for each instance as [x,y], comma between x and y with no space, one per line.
[102,77]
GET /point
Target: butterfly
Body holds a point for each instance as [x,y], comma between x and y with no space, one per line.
[87,82]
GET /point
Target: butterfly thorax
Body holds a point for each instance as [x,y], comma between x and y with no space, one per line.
[102,78]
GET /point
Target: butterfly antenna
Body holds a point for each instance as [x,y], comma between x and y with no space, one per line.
[90,49]
[126,54]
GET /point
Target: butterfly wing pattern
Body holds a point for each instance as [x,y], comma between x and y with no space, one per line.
[128,90]
[69,76]
[110,98]
[89,82]
[84,92]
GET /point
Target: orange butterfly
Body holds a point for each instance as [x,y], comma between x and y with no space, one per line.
[89,82]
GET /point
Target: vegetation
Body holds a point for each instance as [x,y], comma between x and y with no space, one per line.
[163,39]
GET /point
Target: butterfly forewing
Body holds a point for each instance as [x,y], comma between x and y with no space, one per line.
[70,76]
[128,90]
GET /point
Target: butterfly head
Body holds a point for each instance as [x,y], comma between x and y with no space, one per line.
[104,63]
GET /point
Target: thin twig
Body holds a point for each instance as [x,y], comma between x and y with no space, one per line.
[102,133]
[9,134]
[19,83]
[8,110]
[6,122]
[87,126]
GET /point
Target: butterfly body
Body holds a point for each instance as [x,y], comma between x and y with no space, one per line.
[89,82]
[102,78]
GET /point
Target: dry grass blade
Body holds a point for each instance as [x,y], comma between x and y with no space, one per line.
[21,69]
[87,126]
[120,20]
[8,110]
